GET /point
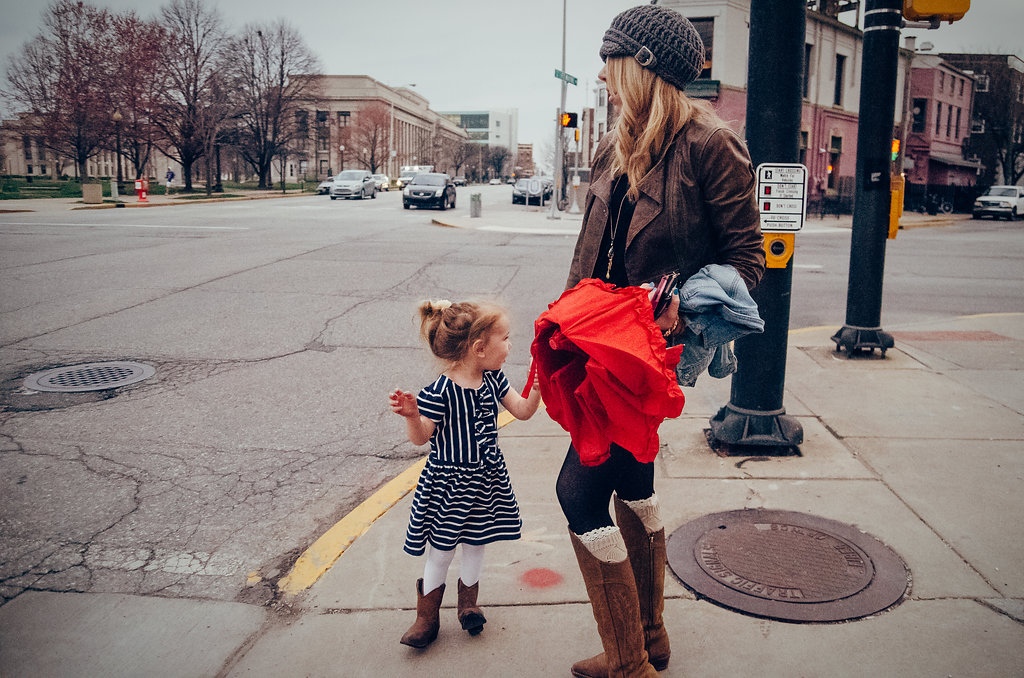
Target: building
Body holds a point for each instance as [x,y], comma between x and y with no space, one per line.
[417,134]
[490,128]
[524,166]
[939,128]
[833,53]
[997,121]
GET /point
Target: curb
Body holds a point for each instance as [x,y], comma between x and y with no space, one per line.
[325,551]
[107,206]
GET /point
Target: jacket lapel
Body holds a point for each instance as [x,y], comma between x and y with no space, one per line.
[652,198]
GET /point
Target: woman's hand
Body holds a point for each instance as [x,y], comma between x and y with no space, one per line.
[670,322]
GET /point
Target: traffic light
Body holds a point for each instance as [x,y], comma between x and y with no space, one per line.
[935,10]
[568,120]
[895,149]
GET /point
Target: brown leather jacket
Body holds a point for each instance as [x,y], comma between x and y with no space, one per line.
[696,207]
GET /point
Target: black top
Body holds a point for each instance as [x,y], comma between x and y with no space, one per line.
[620,213]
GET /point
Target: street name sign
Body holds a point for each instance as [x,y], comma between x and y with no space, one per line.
[571,79]
[782,197]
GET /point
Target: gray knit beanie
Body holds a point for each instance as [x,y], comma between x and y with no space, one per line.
[660,39]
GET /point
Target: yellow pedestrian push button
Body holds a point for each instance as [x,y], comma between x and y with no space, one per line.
[778,249]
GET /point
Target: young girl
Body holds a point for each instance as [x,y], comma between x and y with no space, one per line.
[464,495]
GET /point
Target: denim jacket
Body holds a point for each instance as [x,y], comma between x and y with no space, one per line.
[717,309]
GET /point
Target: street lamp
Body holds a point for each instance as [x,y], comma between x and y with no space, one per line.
[117,118]
[342,149]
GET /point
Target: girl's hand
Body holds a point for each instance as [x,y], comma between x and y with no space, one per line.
[404,403]
[670,318]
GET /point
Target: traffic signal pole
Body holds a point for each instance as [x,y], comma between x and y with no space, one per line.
[559,135]
[755,414]
[863,331]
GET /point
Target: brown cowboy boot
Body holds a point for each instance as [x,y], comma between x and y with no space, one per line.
[470,616]
[647,558]
[428,619]
[613,598]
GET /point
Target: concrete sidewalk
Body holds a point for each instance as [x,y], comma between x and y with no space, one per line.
[130,201]
[922,450]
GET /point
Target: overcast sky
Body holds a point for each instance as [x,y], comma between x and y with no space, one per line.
[482,54]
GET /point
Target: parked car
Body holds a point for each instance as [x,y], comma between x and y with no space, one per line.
[531,191]
[459,181]
[495,182]
[383,183]
[354,184]
[325,186]
[1000,201]
[429,189]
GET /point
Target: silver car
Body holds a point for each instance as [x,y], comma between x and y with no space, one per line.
[354,184]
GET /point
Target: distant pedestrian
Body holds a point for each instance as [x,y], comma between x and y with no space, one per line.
[672,192]
[464,495]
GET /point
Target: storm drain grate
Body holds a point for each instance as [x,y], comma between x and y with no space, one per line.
[787,565]
[89,377]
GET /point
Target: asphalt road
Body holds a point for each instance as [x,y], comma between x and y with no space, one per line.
[276,328]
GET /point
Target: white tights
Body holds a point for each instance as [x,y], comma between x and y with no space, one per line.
[435,571]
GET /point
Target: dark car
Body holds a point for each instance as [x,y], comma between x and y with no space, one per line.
[533,190]
[429,189]
[460,181]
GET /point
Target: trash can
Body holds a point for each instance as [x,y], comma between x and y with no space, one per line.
[474,205]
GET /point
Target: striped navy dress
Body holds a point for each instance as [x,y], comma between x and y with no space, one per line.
[464,495]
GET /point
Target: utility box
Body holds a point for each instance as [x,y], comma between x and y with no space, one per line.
[92,194]
[474,205]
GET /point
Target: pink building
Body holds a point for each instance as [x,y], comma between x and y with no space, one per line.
[833,53]
[940,124]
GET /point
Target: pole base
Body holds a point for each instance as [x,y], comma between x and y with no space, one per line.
[736,426]
[857,339]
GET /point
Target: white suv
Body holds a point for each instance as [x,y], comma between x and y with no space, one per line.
[1000,201]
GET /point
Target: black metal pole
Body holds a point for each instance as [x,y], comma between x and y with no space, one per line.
[755,414]
[882,21]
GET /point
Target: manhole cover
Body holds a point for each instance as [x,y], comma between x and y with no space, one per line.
[89,377]
[786,565]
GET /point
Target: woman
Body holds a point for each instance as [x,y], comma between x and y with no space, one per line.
[672,191]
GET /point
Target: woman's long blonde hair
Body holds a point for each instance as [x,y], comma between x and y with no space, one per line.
[651,112]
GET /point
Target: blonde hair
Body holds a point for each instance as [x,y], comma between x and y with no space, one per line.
[651,113]
[450,329]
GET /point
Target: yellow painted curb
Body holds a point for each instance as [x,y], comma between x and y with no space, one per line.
[326,550]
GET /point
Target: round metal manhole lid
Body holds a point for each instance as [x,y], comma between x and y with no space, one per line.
[786,565]
[89,377]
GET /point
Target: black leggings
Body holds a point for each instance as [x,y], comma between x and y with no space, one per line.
[584,491]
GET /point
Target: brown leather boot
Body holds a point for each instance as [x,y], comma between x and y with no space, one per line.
[647,558]
[470,616]
[428,619]
[613,598]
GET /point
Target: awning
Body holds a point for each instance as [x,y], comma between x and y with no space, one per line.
[954,160]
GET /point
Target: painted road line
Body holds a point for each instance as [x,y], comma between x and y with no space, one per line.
[326,550]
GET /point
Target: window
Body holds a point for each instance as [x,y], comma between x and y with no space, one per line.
[834,155]
[808,51]
[978,126]
[957,130]
[919,111]
[942,81]
[837,99]
[343,117]
[497,123]
[29,170]
[982,83]
[949,120]
[938,117]
[26,143]
[706,29]
[961,86]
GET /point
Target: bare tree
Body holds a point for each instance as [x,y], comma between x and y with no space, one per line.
[61,77]
[368,135]
[457,152]
[274,72]
[139,78]
[497,157]
[193,58]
